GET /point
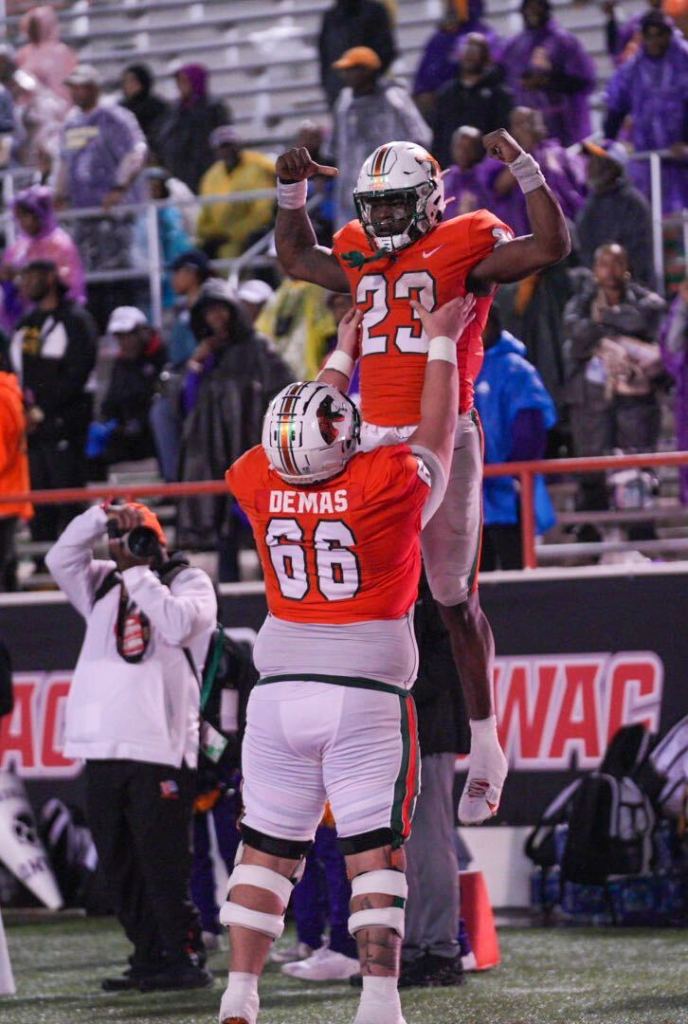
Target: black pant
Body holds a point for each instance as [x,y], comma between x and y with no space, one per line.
[8,553]
[140,815]
[54,465]
[501,548]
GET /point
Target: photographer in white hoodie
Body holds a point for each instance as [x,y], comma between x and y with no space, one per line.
[133,716]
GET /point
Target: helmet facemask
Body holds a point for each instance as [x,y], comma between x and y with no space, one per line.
[399,173]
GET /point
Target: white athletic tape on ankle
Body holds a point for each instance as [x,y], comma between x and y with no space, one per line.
[292,195]
[442,348]
[526,171]
[378,917]
[341,362]
[266,924]
[384,881]
[240,998]
[262,878]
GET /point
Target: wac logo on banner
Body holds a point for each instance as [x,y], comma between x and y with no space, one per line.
[31,737]
[554,712]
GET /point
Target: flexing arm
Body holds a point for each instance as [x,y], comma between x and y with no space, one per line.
[297,247]
[550,240]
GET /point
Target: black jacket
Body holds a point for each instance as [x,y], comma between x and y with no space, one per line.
[226,421]
[53,354]
[128,400]
[150,111]
[353,23]
[620,215]
[442,723]
[485,105]
[183,139]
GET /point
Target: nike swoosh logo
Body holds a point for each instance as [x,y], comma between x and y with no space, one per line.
[427,255]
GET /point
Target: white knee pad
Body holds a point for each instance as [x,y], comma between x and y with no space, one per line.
[262,878]
[384,882]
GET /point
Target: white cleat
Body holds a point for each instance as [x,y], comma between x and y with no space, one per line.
[285,956]
[323,965]
[487,771]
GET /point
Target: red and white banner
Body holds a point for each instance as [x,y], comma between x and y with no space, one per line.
[578,657]
[554,712]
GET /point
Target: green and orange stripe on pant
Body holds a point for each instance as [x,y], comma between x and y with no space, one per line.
[407,786]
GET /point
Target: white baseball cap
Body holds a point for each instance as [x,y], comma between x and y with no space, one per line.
[125,319]
[255,291]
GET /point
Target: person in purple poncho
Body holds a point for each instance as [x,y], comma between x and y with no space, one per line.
[438,61]
[103,151]
[40,238]
[674,345]
[464,181]
[623,41]
[653,89]
[564,173]
[549,70]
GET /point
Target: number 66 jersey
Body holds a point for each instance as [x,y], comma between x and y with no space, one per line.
[341,560]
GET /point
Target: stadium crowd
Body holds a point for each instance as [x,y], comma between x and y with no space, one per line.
[581,354]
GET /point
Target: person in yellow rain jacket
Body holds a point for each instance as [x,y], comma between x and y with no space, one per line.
[225,229]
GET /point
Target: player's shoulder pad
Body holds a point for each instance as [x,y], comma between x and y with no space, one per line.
[249,470]
[397,461]
[484,222]
[350,236]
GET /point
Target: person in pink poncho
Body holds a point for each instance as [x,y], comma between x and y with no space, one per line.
[45,56]
[40,238]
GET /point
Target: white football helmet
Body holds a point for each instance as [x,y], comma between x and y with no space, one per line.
[403,172]
[310,432]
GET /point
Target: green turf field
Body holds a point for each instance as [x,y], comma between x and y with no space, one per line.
[547,976]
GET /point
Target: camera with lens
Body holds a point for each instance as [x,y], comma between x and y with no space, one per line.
[141,542]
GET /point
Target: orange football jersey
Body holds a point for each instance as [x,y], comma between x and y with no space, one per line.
[344,550]
[393,346]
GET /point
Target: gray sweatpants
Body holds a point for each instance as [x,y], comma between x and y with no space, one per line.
[432,870]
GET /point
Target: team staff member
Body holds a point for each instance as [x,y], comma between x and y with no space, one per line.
[401,247]
[331,718]
[132,715]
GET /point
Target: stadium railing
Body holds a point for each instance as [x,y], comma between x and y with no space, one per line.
[523,472]
[153,267]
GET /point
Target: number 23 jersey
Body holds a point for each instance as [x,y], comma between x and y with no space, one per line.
[344,550]
[394,348]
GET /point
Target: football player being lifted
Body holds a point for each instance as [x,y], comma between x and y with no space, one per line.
[400,248]
[331,717]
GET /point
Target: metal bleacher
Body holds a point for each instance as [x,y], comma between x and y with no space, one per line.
[262,53]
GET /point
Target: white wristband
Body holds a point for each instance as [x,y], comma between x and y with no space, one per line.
[292,195]
[341,362]
[526,171]
[442,348]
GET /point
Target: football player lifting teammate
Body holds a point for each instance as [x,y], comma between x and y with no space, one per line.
[331,717]
[401,249]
